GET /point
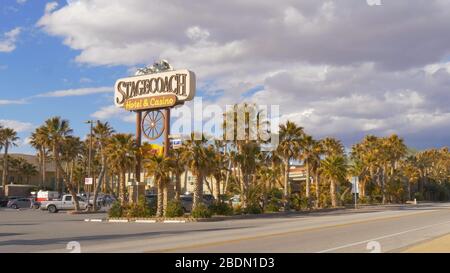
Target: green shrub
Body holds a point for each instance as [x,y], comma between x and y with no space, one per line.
[116,210]
[273,207]
[201,211]
[275,194]
[298,203]
[253,209]
[139,210]
[221,209]
[174,209]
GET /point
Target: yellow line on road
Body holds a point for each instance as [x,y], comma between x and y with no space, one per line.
[291,232]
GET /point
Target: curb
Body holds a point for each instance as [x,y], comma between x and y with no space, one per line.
[118,220]
[145,221]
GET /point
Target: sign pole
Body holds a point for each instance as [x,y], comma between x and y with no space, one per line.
[166,132]
[137,174]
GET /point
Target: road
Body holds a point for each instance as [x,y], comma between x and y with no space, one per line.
[387,229]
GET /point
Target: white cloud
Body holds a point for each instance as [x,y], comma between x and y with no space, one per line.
[18,126]
[8,41]
[7,102]
[341,69]
[112,112]
[85,80]
[77,92]
[21,2]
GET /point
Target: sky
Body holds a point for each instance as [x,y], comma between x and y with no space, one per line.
[339,68]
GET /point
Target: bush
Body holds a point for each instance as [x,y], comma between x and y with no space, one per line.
[273,207]
[253,209]
[174,209]
[201,211]
[298,202]
[116,210]
[139,210]
[221,209]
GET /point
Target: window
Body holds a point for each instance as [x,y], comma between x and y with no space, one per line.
[68,198]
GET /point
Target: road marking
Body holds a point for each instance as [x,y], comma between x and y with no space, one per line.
[145,221]
[174,221]
[291,232]
[118,220]
[382,237]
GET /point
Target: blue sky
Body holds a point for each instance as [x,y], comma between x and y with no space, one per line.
[324,62]
[41,64]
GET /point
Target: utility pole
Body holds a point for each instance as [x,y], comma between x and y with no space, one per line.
[91,122]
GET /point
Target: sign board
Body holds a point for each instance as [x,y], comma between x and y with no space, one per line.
[150,102]
[176,143]
[355,182]
[89,181]
[178,83]
[149,150]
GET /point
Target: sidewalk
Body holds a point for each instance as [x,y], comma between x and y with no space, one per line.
[438,245]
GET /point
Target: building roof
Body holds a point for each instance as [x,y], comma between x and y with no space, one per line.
[32,159]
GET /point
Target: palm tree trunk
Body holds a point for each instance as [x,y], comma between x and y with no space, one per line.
[286,184]
[185,179]
[165,197]
[333,194]
[208,185]
[177,185]
[198,191]
[44,167]
[100,179]
[40,166]
[5,168]
[317,184]
[217,189]
[122,192]
[308,184]
[160,199]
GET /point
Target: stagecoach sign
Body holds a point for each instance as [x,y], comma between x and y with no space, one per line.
[158,90]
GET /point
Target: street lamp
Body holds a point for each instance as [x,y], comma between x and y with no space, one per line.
[91,123]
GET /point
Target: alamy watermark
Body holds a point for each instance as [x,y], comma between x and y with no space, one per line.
[374,2]
[238,122]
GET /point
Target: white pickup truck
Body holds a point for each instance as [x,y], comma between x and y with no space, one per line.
[66,203]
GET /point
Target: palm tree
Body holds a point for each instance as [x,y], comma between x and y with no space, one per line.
[177,156]
[159,167]
[121,155]
[59,137]
[8,138]
[334,169]
[102,134]
[28,170]
[289,149]
[196,158]
[308,147]
[39,142]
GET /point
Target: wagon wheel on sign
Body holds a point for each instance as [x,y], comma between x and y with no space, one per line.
[153,124]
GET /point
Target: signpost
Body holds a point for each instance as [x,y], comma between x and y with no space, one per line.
[151,93]
[88,181]
[355,188]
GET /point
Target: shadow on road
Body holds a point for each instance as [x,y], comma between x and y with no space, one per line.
[101,237]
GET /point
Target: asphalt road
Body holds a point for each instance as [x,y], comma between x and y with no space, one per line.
[387,229]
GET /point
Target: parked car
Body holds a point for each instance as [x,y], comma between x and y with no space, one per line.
[3,202]
[235,201]
[188,200]
[19,203]
[66,203]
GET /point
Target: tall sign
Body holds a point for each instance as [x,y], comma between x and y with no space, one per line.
[159,90]
[151,93]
